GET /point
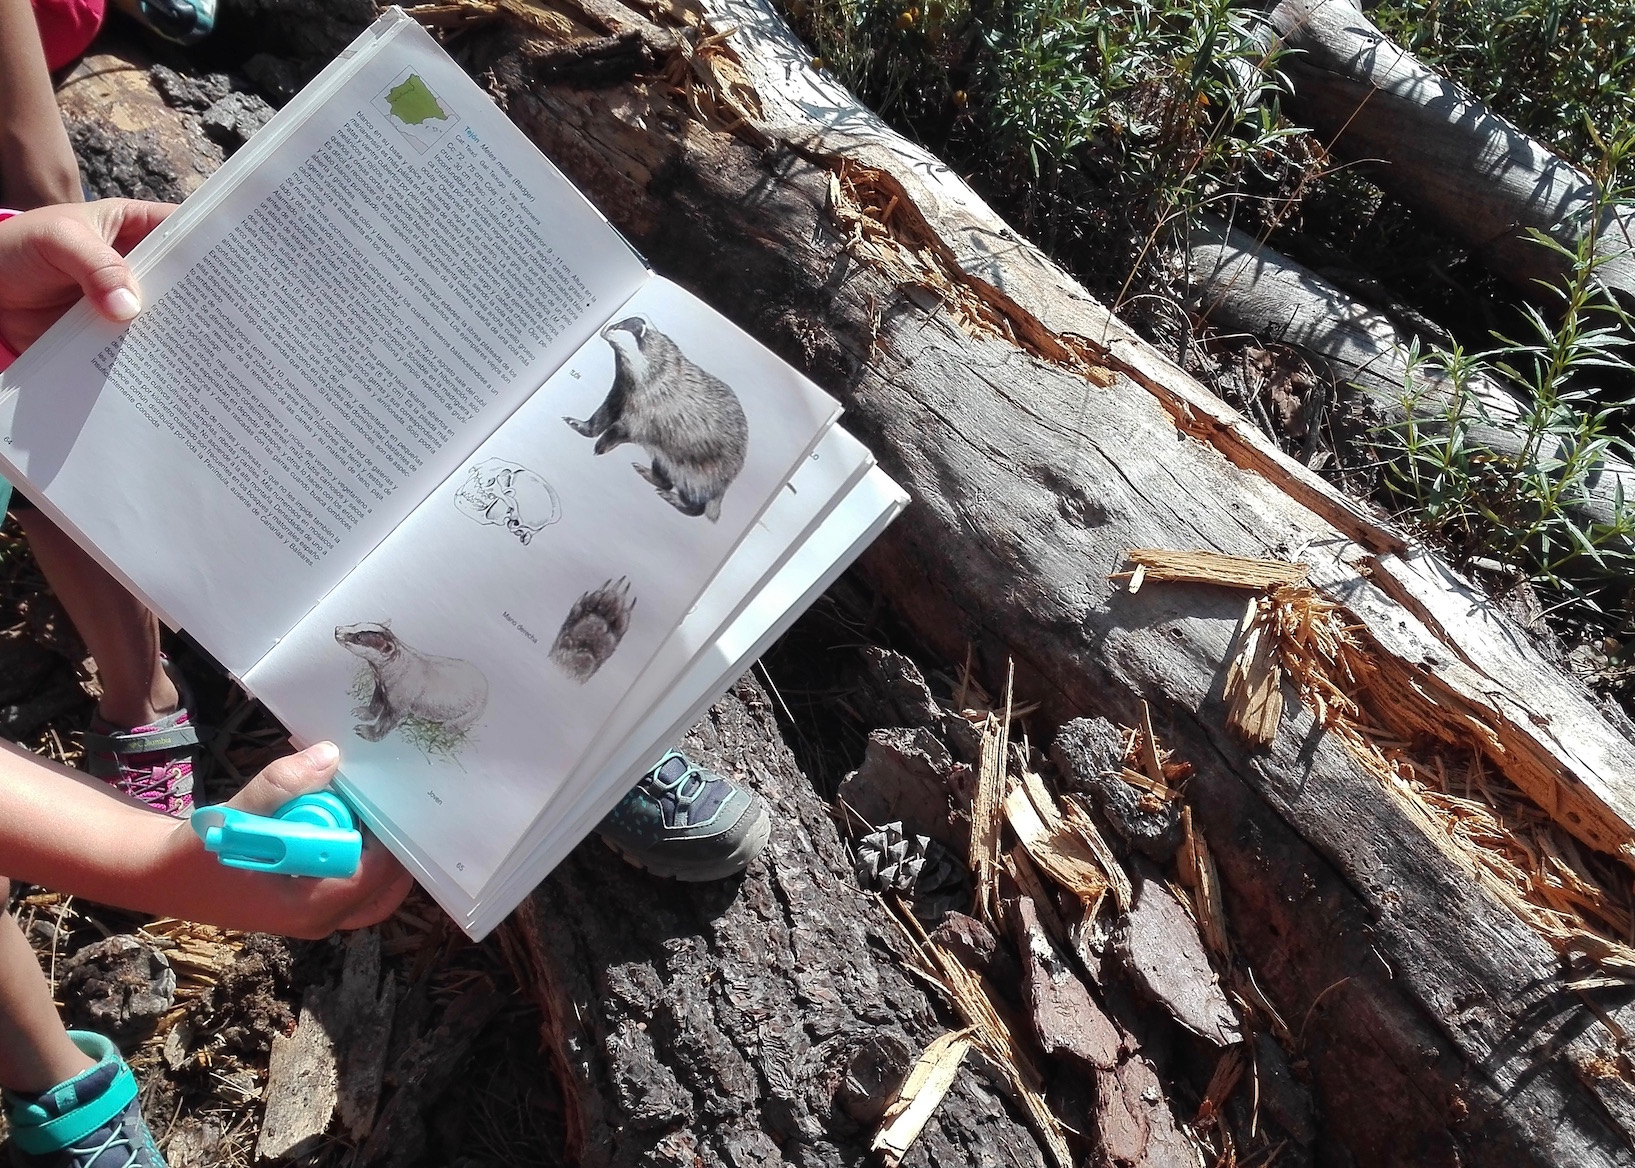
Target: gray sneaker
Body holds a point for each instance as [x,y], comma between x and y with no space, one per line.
[91,1121]
[686,822]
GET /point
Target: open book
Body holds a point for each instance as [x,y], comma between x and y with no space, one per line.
[415,445]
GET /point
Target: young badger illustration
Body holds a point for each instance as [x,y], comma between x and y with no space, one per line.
[593,629]
[688,421]
[412,684]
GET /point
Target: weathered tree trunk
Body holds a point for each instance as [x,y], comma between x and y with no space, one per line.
[1433,1021]
[1246,286]
[1435,147]
[758,1022]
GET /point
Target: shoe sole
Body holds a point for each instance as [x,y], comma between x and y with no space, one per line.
[753,842]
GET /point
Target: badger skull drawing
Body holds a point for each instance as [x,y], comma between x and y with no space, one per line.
[689,422]
[510,496]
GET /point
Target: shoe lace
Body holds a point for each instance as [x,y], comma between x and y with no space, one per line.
[115,1139]
[684,788]
[156,781]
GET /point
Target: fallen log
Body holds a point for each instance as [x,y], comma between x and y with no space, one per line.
[718,1024]
[770,1020]
[1041,440]
[1433,146]
[1245,286]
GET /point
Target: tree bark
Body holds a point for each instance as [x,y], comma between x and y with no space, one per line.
[756,1022]
[1425,1002]
[1245,286]
[1434,147]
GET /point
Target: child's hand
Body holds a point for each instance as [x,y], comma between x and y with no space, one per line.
[49,258]
[300,906]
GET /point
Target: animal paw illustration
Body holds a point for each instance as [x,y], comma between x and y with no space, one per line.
[593,629]
[434,700]
[688,421]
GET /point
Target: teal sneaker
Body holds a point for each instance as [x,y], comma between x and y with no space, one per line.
[184,21]
[91,1121]
[685,822]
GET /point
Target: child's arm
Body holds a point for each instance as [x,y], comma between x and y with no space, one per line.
[68,832]
[37,165]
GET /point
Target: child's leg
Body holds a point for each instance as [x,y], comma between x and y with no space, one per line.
[70,1100]
[118,629]
[35,1051]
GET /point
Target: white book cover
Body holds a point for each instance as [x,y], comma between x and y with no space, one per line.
[444,473]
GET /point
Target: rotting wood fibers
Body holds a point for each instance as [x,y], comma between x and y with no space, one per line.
[1555,861]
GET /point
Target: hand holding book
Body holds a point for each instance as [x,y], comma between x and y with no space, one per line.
[53,256]
[450,475]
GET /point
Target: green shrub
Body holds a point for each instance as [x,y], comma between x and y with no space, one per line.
[1522,511]
[1066,112]
[1561,69]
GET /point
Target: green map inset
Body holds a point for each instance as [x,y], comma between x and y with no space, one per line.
[413,104]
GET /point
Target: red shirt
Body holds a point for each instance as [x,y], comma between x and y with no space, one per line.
[67,28]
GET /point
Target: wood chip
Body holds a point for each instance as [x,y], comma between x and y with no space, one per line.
[1161,951]
[1137,779]
[1078,821]
[987,807]
[1228,1070]
[301,1079]
[365,1008]
[917,1099]
[1214,568]
[1149,747]
[1134,1123]
[1199,874]
[1060,854]
[1254,680]
[1030,884]
[1043,801]
[1066,1020]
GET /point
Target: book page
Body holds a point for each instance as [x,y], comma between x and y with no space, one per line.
[816,563]
[746,575]
[824,481]
[472,661]
[333,323]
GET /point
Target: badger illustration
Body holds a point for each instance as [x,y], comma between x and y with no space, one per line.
[689,422]
[412,684]
[593,629]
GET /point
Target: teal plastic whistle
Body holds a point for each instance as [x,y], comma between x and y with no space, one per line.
[311,835]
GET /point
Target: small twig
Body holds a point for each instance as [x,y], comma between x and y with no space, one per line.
[1300,1040]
